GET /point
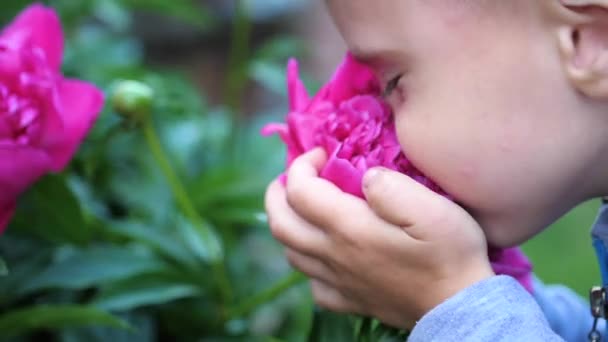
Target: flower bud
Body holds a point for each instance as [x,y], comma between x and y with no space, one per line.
[132,99]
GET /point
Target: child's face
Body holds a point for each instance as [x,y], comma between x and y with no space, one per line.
[482,106]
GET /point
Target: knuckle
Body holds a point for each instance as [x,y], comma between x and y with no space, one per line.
[352,230]
[277,229]
[269,195]
[342,261]
[325,304]
[293,259]
[379,188]
[440,216]
[327,301]
[297,194]
[270,200]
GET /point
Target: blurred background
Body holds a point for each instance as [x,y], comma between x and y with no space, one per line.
[158,233]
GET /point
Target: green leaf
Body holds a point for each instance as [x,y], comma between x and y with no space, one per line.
[229,183]
[198,242]
[3,268]
[188,11]
[328,327]
[368,329]
[50,210]
[164,241]
[23,268]
[94,266]
[270,75]
[55,317]
[144,330]
[138,292]
[281,48]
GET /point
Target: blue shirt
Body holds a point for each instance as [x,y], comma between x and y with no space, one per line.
[500,309]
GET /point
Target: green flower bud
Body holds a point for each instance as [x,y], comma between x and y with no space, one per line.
[132,99]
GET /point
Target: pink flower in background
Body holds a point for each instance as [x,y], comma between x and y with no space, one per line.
[350,121]
[43,116]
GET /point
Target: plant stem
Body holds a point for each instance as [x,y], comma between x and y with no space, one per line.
[289,281]
[3,268]
[239,52]
[183,200]
[237,67]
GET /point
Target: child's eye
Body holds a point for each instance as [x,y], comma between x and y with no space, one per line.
[391,86]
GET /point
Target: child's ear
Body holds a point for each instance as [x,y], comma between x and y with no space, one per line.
[583,40]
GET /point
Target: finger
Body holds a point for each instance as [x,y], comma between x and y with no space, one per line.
[317,200]
[402,201]
[312,267]
[329,298]
[309,164]
[287,227]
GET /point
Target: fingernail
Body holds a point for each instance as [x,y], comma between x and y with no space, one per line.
[371,175]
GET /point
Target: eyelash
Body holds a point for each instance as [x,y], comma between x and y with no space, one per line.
[391,86]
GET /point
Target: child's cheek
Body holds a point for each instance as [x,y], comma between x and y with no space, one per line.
[430,148]
[453,162]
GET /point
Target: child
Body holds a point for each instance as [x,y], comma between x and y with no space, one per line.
[505,105]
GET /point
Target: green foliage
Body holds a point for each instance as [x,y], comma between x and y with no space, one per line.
[328,327]
[44,316]
[51,211]
[3,268]
[577,267]
[156,231]
[100,264]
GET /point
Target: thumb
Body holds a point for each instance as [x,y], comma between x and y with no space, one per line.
[402,201]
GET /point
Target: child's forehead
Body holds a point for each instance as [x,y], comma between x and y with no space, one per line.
[362,15]
[411,6]
[472,4]
[414,28]
[388,17]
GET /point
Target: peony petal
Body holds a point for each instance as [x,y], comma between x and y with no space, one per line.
[274,128]
[303,128]
[352,78]
[80,104]
[293,148]
[298,96]
[20,166]
[6,214]
[343,174]
[513,262]
[40,26]
[11,65]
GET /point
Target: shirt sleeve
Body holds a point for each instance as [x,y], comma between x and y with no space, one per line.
[495,309]
[568,314]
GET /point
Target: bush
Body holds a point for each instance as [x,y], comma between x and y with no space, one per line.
[156,231]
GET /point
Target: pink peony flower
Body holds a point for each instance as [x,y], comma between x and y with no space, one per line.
[350,121]
[43,116]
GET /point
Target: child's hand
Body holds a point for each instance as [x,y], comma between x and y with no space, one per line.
[394,257]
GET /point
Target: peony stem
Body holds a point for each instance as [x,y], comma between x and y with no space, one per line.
[289,281]
[3,268]
[183,200]
[238,61]
[238,65]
